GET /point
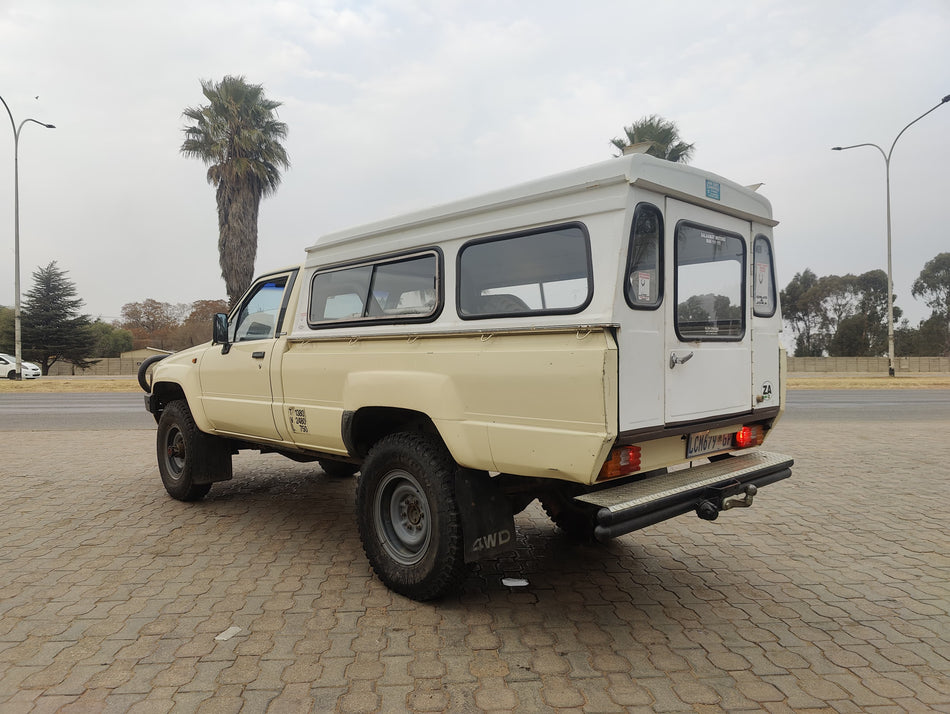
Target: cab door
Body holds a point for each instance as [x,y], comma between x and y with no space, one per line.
[236,385]
[708,355]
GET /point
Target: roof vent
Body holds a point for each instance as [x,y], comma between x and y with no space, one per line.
[641,147]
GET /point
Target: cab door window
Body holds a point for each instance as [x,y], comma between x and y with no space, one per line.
[259,314]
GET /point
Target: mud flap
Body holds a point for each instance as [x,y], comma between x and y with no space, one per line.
[488,525]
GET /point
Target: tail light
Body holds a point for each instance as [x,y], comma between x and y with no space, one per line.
[749,436]
[623,460]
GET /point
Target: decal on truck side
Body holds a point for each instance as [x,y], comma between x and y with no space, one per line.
[298,420]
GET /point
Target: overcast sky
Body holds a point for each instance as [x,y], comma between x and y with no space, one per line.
[394,105]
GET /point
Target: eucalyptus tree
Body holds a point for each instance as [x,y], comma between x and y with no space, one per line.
[933,285]
[238,136]
[662,135]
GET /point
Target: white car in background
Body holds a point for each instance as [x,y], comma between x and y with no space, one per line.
[8,368]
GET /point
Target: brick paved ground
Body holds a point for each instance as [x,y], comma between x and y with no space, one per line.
[832,593]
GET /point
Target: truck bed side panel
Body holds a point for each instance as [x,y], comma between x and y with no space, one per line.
[525,403]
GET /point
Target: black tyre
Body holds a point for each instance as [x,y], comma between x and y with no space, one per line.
[408,516]
[11,374]
[567,514]
[188,459]
[338,469]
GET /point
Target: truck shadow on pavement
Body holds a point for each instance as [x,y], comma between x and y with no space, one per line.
[317,512]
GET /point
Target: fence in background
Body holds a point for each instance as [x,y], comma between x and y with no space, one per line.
[107,367]
[868,364]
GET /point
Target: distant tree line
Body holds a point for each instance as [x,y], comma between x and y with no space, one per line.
[54,329]
[168,326]
[846,315]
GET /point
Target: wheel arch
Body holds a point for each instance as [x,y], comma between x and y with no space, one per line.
[164,393]
[363,427]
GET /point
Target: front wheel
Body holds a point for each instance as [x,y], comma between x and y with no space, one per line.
[408,516]
[188,459]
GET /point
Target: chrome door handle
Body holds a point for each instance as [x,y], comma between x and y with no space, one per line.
[675,359]
[257,355]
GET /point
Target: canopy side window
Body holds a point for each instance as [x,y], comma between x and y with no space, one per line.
[538,272]
[388,290]
[764,303]
[644,278]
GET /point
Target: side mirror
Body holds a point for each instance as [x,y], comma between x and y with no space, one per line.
[219,332]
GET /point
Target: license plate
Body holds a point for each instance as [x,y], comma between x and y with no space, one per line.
[703,442]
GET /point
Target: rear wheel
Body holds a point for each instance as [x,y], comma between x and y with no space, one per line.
[188,459]
[408,517]
[576,520]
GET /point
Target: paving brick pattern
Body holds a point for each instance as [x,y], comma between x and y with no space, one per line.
[830,594]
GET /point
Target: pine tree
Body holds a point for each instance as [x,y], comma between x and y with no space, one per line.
[53,328]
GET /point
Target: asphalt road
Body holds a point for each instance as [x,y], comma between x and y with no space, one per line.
[864,405]
[106,412]
[74,412]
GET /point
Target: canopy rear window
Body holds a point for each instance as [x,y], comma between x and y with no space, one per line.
[710,283]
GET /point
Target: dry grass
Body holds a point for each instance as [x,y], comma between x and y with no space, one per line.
[48,385]
[797,381]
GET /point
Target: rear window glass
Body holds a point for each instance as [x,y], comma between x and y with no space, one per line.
[542,272]
[395,289]
[710,284]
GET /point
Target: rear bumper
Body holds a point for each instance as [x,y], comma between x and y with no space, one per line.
[706,489]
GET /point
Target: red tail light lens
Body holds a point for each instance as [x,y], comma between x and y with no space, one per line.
[623,460]
[749,436]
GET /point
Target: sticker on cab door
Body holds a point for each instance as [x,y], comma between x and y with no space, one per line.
[298,420]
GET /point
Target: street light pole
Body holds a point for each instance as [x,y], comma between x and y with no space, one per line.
[17,335]
[890,274]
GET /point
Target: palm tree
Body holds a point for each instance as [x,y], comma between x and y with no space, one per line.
[663,136]
[238,136]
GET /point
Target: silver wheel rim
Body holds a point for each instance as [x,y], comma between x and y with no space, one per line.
[175,452]
[402,518]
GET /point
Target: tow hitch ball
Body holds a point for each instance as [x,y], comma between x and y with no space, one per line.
[709,511]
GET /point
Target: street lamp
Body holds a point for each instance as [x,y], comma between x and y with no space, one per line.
[18,346]
[887,179]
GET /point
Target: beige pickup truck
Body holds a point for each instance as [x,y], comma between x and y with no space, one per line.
[605,341]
